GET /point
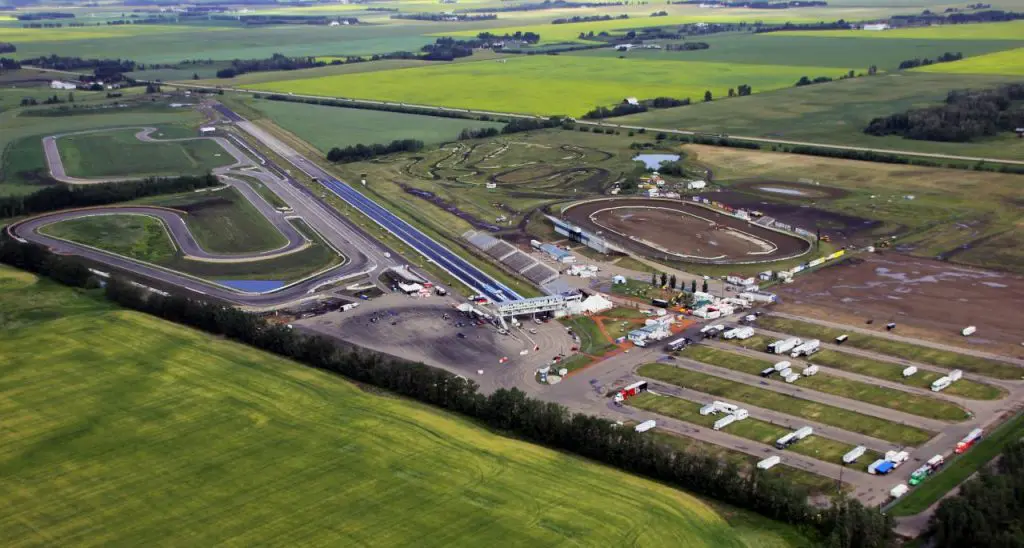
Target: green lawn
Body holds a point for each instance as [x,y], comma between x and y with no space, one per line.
[767,399]
[118,153]
[959,469]
[569,85]
[123,429]
[327,127]
[912,352]
[135,236]
[223,221]
[592,341]
[823,382]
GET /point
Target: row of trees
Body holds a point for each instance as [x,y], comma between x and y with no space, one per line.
[56,197]
[276,61]
[923,62]
[7,63]
[964,116]
[670,282]
[361,152]
[687,46]
[587,19]
[988,510]
[846,524]
[445,16]
[7,47]
[478,133]
[545,5]
[105,69]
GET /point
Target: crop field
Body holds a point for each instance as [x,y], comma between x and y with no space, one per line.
[838,112]
[800,50]
[817,447]
[797,407]
[135,236]
[1009,62]
[838,386]
[163,414]
[568,85]
[326,127]
[119,153]
[1009,30]
[908,351]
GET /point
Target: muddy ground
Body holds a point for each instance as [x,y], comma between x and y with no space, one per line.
[677,233]
[928,299]
[787,246]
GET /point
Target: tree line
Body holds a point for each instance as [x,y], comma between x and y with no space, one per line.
[919,62]
[361,152]
[988,510]
[964,116]
[276,61]
[545,5]
[7,47]
[7,63]
[687,46]
[587,19]
[56,197]
[445,16]
[845,524]
[104,69]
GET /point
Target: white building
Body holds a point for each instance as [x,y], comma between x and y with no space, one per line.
[631,101]
[618,279]
[207,130]
[591,305]
[57,84]
[655,332]
[696,185]
[876,26]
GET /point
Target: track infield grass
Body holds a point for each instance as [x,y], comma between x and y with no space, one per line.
[135,236]
[908,351]
[118,153]
[545,84]
[767,399]
[198,426]
[890,398]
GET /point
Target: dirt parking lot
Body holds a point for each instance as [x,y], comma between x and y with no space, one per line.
[928,299]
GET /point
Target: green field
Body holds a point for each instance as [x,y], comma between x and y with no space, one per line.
[1004,62]
[802,50]
[838,112]
[135,236]
[557,84]
[327,127]
[838,386]
[908,351]
[111,414]
[1010,30]
[817,447]
[956,472]
[223,221]
[118,153]
[591,340]
[767,399]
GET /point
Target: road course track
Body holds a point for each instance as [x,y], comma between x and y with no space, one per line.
[362,255]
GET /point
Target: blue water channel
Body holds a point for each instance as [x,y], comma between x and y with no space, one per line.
[253,286]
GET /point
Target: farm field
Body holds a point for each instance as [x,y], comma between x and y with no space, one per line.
[953,212]
[1009,30]
[325,127]
[837,112]
[839,386]
[152,411]
[118,153]
[135,236]
[1009,62]
[799,50]
[909,351]
[568,85]
[834,416]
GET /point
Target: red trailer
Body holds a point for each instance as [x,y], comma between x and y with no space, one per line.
[630,391]
[969,440]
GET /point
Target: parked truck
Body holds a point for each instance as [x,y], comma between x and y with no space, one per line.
[941,384]
[936,462]
[768,372]
[791,378]
[739,333]
[854,454]
[884,468]
[782,366]
[724,421]
[897,457]
[968,331]
[969,440]
[810,371]
[873,467]
[785,441]
[841,339]
[630,391]
[804,432]
[806,349]
[919,475]
[784,345]
[955,375]
[909,372]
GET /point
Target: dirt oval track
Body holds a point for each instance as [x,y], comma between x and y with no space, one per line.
[677,230]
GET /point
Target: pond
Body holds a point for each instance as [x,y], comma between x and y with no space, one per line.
[253,286]
[653,161]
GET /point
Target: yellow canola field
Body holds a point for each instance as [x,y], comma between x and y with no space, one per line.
[1009,62]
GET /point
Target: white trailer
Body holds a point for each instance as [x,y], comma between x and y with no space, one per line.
[741,414]
[709,409]
[724,421]
[941,384]
[785,372]
[781,366]
[784,441]
[955,375]
[806,349]
[968,331]
[727,407]
[841,339]
[899,491]
[731,333]
[910,371]
[791,378]
[810,371]
[804,432]
[769,462]
[854,454]
[874,466]
[784,345]
[740,333]
[645,426]
[897,457]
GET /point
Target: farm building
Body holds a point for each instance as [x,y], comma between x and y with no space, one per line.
[57,84]
[876,26]
[207,130]
[654,332]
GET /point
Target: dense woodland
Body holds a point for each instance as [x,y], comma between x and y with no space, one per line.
[965,115]
[587,19]
[846,524]
[923,62]
[361,152]
[105,69]
[56,197]
[988,510]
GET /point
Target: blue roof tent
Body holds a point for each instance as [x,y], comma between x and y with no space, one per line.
[556,253]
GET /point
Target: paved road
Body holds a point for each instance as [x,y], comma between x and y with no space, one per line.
[451,262]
